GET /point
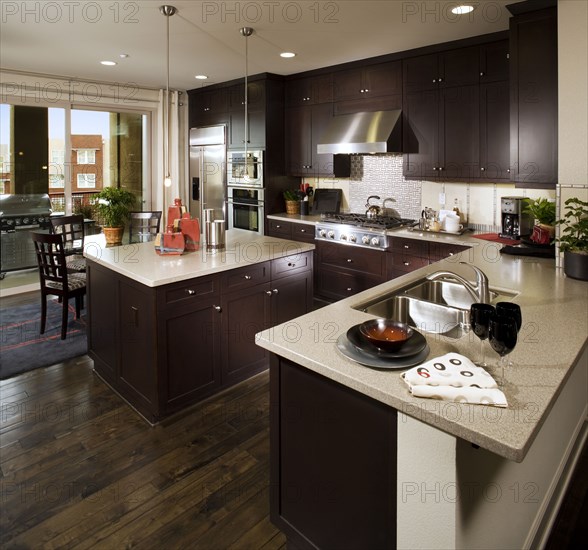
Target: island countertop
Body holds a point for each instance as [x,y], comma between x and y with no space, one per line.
[551,342]
[140,262]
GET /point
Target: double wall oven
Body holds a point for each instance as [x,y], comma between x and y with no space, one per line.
[245,190]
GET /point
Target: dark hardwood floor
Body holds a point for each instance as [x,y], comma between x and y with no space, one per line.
[80,469]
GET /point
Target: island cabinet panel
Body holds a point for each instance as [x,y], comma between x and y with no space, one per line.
[533,92]
[346,270]
[333,459]
[167,347]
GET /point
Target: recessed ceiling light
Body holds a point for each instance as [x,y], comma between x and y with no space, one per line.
[124,55]
[109,63]
[460,10]
[201,77]
[287,54]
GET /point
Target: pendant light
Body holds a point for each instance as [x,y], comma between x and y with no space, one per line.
[246,32]
[168,11]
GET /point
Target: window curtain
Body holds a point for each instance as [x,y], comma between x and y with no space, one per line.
[164,196]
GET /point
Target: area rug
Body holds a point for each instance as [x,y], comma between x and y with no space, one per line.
[23,348]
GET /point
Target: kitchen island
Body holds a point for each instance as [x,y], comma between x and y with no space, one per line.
[358,462]
[167,331]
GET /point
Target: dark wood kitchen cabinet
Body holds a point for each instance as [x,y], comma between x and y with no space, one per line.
[208,108]
[321,431]
[343,270]
[295,231]
[375,87]
[167,347]
[309,90]
[533,93]
[304,127]
[256,99]
[456,114]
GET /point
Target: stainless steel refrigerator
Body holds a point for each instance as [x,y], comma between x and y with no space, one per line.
[208,175]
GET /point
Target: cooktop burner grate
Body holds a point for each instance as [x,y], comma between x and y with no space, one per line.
[361,220]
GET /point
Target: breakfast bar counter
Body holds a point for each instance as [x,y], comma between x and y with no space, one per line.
[455,466]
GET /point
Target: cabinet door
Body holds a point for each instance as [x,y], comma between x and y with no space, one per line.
[494,131]
[255,96]
[298,140]
[279,228]
[533,110]
[321,164]
[209,108]
[383,79]
[420,73]
[244,313]
[459,67]
[348,84]
[302,232]
[494,61]
[190,352]
[291,297]
[255,129]
[459,146]
[421,134]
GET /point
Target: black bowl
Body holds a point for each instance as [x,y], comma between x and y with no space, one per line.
[386,334]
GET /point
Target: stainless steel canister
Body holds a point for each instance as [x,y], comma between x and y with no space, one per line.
[215,236]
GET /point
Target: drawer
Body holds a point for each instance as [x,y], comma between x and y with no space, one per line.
[364,260]
[303,232]
[191,291]
[337,284]
[404,262]
[438,251]
[247,276]
[413,247]
[282,267]
[278,228]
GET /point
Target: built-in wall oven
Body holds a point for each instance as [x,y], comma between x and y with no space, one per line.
[245,168]
[246,208]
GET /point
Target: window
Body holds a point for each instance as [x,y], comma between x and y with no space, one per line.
[86,156]
[56,181]
[87,181]
[57,156]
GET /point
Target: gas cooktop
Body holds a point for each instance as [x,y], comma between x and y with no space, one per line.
[358,229]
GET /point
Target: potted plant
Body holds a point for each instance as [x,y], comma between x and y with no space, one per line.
[543,211]
[293,198]
[573,238]
[113,204]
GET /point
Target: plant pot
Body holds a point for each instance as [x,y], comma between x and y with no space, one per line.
[576,265]
[113,235]
[292,207]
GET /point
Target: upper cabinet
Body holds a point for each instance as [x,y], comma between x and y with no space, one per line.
[456,120]
[309,91]
[533,93]
[370,88]
[208,108]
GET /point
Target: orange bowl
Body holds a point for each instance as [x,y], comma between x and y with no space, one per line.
[386,334]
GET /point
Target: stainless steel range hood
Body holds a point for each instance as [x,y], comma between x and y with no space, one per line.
[367,132]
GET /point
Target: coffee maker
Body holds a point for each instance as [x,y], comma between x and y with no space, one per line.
[515,223]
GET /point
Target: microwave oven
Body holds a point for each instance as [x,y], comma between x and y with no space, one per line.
[245,169]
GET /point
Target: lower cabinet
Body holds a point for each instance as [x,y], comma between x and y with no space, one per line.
[165,348]
[333,454]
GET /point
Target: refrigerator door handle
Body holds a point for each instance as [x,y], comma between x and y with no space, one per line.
[195,189]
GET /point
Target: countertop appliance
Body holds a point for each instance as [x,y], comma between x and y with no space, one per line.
[515,222]
[208,175]
[19,215]
[245,169]
[358,229]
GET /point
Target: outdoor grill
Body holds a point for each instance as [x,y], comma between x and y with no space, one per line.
[19,215]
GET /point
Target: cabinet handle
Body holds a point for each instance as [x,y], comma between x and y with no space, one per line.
[349,289]
[218,308]
[135,316]
[303,231]
[366,90]
[440,80]
[268,292]
[291,264]
[190,292]
[451,253]
[247,277]
[406,263]
[278,226]
[508,170]
[349,261]
[275,291]
[406,246]
[434,80]
[440,168]
[435,168]
[482,73]
[483,169]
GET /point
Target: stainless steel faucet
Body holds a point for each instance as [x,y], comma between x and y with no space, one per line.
[480,291]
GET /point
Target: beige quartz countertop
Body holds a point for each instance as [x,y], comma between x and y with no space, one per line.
[551,341]
[141,263]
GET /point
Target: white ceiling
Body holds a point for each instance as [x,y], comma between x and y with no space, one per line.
[71,38]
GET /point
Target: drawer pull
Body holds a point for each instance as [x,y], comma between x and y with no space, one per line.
[275,291]
[303,231]
[406,263]
[349,289]
[247,277]
[291,264]
[190,292]
[349,261]
[218,308]
[406,246]
[278,226]
[268,292]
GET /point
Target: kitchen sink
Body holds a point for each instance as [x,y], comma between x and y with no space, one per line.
[439,306]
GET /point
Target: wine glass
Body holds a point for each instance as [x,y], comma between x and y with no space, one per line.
[510,310]
[503,338]
[480,315]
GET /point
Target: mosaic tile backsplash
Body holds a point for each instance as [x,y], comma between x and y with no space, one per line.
[381,175]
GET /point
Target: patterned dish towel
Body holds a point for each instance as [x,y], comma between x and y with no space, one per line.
[453,377]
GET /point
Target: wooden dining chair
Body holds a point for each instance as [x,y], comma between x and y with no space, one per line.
[72,230]
[55,278]
[144,226]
